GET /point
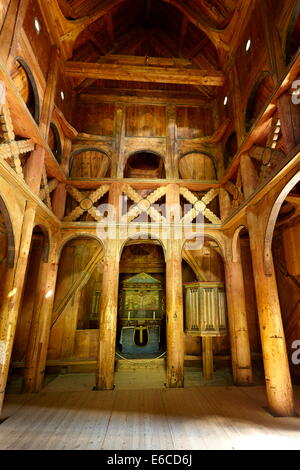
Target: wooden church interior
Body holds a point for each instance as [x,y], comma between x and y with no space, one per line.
[162,103]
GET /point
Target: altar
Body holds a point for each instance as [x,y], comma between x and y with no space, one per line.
[140,315]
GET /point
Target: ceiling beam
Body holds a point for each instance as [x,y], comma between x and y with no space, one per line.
[121,59]
[149,97]
[144,74]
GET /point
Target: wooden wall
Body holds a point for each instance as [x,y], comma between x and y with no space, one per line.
[142,120]
[29,298]
[74,259]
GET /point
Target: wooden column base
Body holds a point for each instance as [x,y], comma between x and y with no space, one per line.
[207,357]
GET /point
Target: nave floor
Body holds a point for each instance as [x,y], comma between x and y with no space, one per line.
[67,414]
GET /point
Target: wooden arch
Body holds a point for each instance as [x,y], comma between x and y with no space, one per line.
[202,153]
[141,151]
[268,259]
[9,233]
[88,149]
[154,238]
[76,236]
[23,63]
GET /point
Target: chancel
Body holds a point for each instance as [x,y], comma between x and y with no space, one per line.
[149,224]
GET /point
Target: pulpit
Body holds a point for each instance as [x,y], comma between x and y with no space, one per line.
[205,316]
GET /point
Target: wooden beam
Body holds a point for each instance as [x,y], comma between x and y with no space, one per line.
[144,74]
[144,61]
[151,97]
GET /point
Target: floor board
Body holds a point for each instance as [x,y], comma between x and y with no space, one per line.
[68,414]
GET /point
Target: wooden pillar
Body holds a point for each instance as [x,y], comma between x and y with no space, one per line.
[225,204]
[207,357]
[174,301]
[249,175]
[289,115]
[171,163]
[11,30]
[33,169]
[276,365]
[36,353]
[12,297]
[59,199]
[238,327]
[109,305]
[117,164]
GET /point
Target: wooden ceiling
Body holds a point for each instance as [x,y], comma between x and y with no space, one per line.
[148,28]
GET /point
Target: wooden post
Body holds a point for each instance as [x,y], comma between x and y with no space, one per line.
[117,164]
[207,357]
[276,365]
[171,163]
[45,324]
[12,298]
[36,353]
[289,115]
[174,301]
[33,169]
[249,175]
[59,200]
[109,305]
[238,327]
[225,204]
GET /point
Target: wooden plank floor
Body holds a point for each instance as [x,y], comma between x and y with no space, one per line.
[219,417]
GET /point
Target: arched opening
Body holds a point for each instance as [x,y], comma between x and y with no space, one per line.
[145,164]
[26,85]
[230,149]
[241,253]
[258,98]
[89,163]
[293,35]
[141,313]
[7,246]
[29,307]
[205,317]
[283,241]
[75,318]
[197,166]
[54,142]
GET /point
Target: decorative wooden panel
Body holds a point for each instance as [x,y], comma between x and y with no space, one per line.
[90,164]
[205,309]
[145,121]
[197,166]
[95,119]
[194,122]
